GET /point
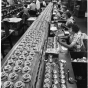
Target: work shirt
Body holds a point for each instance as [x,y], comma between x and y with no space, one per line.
[37,5]
[44,3]
[26,11]
[28,6]
[33,6]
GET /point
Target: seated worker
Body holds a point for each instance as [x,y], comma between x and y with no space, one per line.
[69,19]
[62,9]
[33,11]
[75,39]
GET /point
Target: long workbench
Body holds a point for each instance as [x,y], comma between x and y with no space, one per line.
[61,55]
[65,56]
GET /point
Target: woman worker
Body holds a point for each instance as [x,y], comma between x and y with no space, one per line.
[75,41]
[69,20]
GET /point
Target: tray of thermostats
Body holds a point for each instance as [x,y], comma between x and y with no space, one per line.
[54,74]
[18,72]
[18,69]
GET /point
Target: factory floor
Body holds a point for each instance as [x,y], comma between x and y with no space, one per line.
[81,22]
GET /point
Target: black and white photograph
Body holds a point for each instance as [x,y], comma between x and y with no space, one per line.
[44,43]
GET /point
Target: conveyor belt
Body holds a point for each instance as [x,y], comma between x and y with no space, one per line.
[24,52]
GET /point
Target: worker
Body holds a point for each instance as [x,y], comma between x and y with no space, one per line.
[33,9]
[75,39]
[38,5]
[69,18]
